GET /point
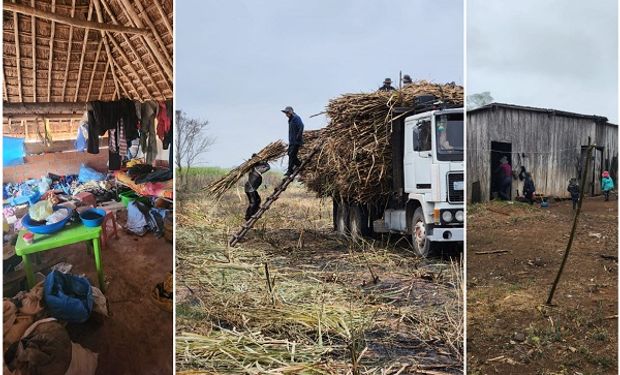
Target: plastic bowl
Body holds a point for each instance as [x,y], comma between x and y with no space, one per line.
[93,217]
[46,229]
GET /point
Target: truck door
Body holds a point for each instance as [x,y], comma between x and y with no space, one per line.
[418,154]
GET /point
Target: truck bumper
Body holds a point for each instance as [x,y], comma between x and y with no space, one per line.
[446,235]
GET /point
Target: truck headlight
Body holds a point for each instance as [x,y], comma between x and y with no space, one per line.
[446,216]
[459,216]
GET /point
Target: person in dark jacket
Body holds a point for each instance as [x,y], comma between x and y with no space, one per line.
[255,180]
[573,189]
[295,139]
[529,188]
[387,85]
[504,172]
[407,80]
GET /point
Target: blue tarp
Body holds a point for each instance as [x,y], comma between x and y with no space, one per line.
[12,151]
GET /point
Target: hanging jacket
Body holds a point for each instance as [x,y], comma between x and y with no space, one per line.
[148,135]
[607,184]
[163,121]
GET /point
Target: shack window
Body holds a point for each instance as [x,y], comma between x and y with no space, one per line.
[422,136]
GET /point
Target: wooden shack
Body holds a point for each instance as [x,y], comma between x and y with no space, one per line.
[548,143]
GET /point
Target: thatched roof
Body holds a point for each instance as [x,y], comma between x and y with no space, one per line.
[83,50]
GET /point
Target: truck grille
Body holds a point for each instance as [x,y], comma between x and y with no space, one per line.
[455,196]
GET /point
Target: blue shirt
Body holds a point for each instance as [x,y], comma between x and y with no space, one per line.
[295,130]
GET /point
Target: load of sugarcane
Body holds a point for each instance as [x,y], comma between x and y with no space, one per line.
[271,152]
[354,157]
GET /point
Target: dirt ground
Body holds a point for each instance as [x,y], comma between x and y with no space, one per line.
[371,307]
[137,336]
[510,330]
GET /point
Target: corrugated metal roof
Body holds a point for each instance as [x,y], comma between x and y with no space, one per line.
[555,112]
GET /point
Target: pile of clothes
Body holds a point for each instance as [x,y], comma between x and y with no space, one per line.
[141,173]
[34,337]
[130,125]
[142,217]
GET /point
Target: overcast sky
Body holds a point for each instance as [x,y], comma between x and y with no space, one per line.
[559,54]
[239,62]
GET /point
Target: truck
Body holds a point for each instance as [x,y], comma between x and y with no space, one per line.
[426,199]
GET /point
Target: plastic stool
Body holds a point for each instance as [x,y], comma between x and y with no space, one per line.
[106,234]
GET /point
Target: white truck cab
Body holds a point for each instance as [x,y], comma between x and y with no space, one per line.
[427,197]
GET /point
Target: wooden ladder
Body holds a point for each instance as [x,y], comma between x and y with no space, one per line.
[245,228]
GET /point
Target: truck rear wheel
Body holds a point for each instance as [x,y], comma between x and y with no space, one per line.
[342,218]
[358,222]
[421,245]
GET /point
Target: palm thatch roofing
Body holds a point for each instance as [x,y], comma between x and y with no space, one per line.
[59,54]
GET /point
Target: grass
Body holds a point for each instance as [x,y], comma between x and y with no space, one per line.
[319,312]
[200,177]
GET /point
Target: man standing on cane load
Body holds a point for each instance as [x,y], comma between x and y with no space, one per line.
[295,139]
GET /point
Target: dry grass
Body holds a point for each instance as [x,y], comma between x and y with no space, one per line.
[319,312]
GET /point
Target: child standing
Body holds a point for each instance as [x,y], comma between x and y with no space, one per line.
[529,188]
[607,184]
[573,189]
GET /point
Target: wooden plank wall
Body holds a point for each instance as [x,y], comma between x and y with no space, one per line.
[550,143]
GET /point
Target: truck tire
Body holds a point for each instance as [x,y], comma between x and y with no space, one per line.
[358,222]
[342,218]
[421,245]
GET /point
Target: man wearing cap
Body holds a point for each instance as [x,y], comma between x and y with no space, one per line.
[295,138]
[407,80]
[387,85]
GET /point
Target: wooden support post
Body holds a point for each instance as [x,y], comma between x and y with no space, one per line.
[574,228]
[42,108]
[101,25]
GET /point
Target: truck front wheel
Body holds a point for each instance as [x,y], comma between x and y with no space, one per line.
[421,245]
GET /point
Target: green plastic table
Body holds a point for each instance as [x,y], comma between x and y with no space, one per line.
[69,235]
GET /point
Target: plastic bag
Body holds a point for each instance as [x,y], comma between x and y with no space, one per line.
[88,174]
[40,210]
[68,297]
[57,216]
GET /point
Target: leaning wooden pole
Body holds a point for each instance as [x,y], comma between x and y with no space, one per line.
[572,233]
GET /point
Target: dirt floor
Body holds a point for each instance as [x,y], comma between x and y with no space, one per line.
[510,330]
[330,307]
[137,336]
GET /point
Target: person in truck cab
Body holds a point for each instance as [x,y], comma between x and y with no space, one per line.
[255,179]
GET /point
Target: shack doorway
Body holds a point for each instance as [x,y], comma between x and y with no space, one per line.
[499,150]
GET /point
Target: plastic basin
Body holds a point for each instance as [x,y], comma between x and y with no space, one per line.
[46,229]
[93,217]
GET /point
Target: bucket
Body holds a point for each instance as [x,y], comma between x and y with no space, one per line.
[130,196]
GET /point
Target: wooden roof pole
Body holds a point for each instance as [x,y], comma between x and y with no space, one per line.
[131,68]
[105,75]
[134,51]
[164,16]
[5,89]
[51,53]
[118,68]
[18,54]
[154,30]
[102,26]
[92,74]
[33,29]
[107,48]
[153,49]
[79,77]
[64,85]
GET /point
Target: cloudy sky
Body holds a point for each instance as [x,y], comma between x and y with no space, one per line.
[239,62]
[559,54]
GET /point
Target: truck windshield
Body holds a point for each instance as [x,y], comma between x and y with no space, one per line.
[449,129]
